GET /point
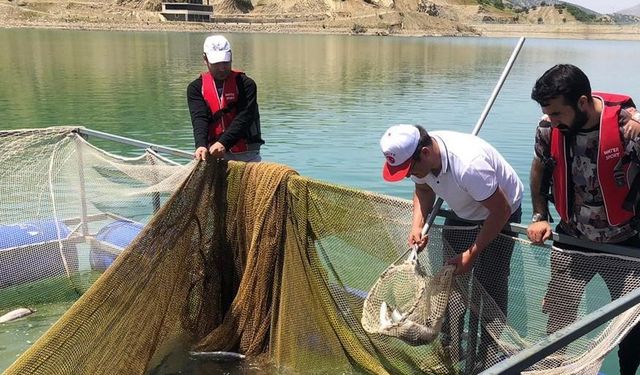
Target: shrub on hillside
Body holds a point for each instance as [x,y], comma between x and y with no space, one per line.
[358,29]
[580,14]
[494,3]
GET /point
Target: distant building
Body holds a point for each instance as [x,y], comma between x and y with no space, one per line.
[189,10]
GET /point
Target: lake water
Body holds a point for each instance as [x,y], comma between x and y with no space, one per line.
[325,100]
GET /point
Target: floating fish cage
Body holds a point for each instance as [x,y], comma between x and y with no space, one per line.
[256,260]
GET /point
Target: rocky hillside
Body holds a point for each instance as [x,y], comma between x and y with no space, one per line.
[433,17]
[440,17]
[383,17]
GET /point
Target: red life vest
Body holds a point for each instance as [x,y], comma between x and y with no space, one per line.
[229,97]
[610,151]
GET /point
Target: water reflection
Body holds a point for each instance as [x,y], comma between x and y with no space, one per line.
[325,99]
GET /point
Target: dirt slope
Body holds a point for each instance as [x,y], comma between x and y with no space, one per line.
[431,17]
[381,17]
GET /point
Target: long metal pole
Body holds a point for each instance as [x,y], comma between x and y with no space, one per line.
[478,126]
[136,143]
[473,325]
[155,178]
[496,89]
[476,129]
[83,192]
[474,320]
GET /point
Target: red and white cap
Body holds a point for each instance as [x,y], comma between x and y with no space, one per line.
[398,144]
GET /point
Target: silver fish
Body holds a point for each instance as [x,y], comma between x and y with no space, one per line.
[16,314]
[217,356]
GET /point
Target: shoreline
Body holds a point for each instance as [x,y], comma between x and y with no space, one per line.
[575,31]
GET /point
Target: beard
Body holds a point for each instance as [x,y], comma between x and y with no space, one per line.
[221,76]
[578,123]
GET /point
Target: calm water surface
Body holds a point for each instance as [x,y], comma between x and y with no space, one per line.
[325,99]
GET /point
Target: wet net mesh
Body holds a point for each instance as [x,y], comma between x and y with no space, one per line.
[407,303]
[253,258]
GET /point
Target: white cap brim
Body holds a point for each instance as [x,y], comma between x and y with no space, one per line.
[215,57]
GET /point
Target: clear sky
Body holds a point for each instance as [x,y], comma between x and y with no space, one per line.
[605,6]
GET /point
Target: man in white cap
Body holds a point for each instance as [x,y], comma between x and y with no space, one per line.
[224,107]
[478,185]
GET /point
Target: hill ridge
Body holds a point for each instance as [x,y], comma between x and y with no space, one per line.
[378,17]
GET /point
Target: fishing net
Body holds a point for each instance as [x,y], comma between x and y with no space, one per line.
[67,208]
[407,303]
[254,259]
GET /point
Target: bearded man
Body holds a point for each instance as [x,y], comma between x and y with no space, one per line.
[586,154]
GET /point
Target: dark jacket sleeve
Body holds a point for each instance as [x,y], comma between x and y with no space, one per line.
[247,115]
[200,113]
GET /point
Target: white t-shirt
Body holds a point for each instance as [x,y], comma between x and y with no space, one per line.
[471,172]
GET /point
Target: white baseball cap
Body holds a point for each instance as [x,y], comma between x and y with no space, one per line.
[398,145]
[217,49]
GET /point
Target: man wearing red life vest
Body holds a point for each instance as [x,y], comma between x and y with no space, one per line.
[586,153]
[224,107]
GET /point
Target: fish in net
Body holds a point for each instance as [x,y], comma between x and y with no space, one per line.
[407,303]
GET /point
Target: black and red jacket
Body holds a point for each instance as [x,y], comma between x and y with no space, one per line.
[233,119]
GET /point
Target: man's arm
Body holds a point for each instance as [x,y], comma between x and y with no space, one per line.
[200,113]
[247,110]
[538,199]
[423,200]
[630,119]
[499,213]
[539,231]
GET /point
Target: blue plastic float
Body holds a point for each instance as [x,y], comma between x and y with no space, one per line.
[118,234]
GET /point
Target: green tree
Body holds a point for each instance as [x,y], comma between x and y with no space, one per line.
[580,15]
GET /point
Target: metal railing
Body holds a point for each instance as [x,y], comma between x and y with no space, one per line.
[557,340]
[132,142]
[521,229]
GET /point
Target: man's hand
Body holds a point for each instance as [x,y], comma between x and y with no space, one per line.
[464,261]
[416,239]
[200,153]
[217,150]
[632,123]
[539,232]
